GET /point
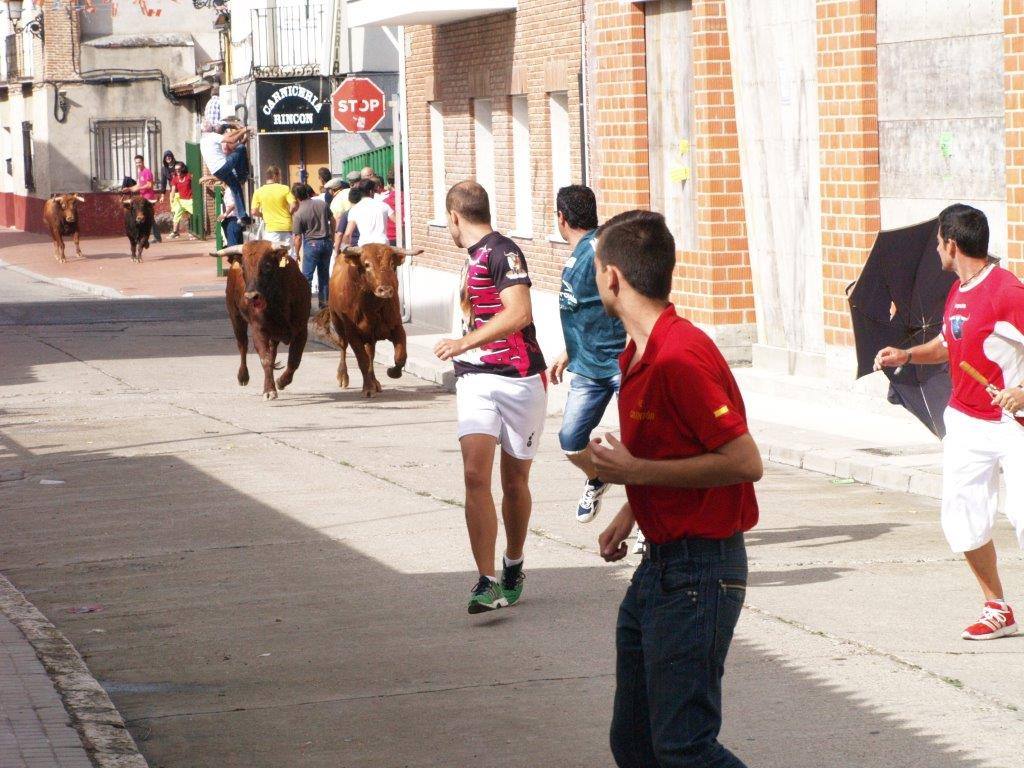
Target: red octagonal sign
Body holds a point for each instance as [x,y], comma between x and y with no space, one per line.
[358,105]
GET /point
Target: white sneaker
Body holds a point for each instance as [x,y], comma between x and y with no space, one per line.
[590,501]
[640,543]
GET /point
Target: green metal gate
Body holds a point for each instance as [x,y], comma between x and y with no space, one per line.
[382,160]
[194,161]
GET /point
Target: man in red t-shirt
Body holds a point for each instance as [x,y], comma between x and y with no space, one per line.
[983,325]
[688,464]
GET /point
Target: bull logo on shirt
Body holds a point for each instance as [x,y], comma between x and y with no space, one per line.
[956,325]
[516,270]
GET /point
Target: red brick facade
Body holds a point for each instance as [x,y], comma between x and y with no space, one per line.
[1013,86]
[848,126]
[713,284]
[533,52]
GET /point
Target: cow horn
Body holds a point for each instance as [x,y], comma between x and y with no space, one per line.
[353,250]
[231,250]
[79,198]
[408,251]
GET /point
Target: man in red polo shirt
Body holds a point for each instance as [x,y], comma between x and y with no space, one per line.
[688,464]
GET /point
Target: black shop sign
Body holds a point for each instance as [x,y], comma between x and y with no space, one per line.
[290,106]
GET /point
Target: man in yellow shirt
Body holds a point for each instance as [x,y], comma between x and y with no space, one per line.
[274,203]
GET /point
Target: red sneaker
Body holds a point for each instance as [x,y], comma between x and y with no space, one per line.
[995,621]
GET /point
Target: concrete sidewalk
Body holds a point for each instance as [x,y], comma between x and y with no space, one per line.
[171,268]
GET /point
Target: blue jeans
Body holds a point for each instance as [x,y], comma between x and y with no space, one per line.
[316,255]
[233,173]
[674,629]
[584,408]
[232,231]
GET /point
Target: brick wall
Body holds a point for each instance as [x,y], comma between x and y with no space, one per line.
[531,52]
[1013,86]
[713,284]
[59,52]
[848,122]
[618,128]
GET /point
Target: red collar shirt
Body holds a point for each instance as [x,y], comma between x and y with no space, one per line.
[681,400]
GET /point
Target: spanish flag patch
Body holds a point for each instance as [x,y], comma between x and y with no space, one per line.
[721,411]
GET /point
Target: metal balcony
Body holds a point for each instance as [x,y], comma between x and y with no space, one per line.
[375,13]
[13,56]
[287,40]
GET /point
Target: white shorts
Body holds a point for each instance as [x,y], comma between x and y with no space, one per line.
[281,239]
[509,409]
[972,452]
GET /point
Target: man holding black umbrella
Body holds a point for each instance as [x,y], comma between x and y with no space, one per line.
[983,326]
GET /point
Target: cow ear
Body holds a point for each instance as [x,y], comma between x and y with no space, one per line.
[283,253]
[397,257]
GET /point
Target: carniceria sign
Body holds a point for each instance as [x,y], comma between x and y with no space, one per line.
[296,105]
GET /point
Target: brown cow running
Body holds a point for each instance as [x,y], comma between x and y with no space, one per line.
[267,295]
[363,309]
[60,213]
[138,223]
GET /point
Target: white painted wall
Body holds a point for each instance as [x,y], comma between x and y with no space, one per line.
[940,111]
[774,65]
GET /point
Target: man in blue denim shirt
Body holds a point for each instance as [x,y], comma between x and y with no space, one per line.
[593,342]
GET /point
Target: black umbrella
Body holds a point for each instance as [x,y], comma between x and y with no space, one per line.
[898,301]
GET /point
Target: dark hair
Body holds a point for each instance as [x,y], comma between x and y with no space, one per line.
[391,178]
[470,201]
[301,191]
[344,185]
[968,227]
[169,154]
[180,166]
[355,194]
[640,245]
[578,205]
[324,174]
[367,187]
[140,157]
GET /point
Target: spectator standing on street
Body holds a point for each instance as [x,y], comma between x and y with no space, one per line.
[389,200]
[225,154]
[593,343]
[366,173]
[181,200]
[146,187]
[229,219]
[312,226]
[326,191]
[501,391]
[369,215]
[167,166]
[274,203]
[983,325]
[688,463]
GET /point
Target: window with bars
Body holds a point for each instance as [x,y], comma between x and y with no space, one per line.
[115,143]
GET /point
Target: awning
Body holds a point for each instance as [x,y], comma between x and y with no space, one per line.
[190,86]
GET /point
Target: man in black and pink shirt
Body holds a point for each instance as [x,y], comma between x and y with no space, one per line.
[983,325]
[501,391]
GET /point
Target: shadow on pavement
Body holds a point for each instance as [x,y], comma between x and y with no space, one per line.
[236,633]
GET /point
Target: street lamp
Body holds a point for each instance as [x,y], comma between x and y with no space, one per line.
[14,9]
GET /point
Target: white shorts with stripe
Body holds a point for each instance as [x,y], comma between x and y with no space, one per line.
[972,453]
[509,409]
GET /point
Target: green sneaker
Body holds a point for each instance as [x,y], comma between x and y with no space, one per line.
[487,596]
[512,578]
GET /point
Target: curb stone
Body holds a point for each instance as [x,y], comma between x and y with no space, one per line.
[80,286]
[99,724]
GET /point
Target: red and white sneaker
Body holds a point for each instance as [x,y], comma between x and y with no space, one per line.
[995,622]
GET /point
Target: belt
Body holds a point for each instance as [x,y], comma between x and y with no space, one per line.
[691,547]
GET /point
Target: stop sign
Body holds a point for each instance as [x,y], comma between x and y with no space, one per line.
[358,105]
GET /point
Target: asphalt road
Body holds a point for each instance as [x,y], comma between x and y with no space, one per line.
[283,584]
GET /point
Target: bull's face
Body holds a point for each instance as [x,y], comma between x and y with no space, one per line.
[263,286]
[67,206]
[136,207]
[376,266]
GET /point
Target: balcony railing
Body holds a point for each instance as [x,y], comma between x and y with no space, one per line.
[18,55]
[372,13]
[287,40]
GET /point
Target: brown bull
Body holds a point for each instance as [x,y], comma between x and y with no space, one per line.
[60,214]
[266,295]
[363,309]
